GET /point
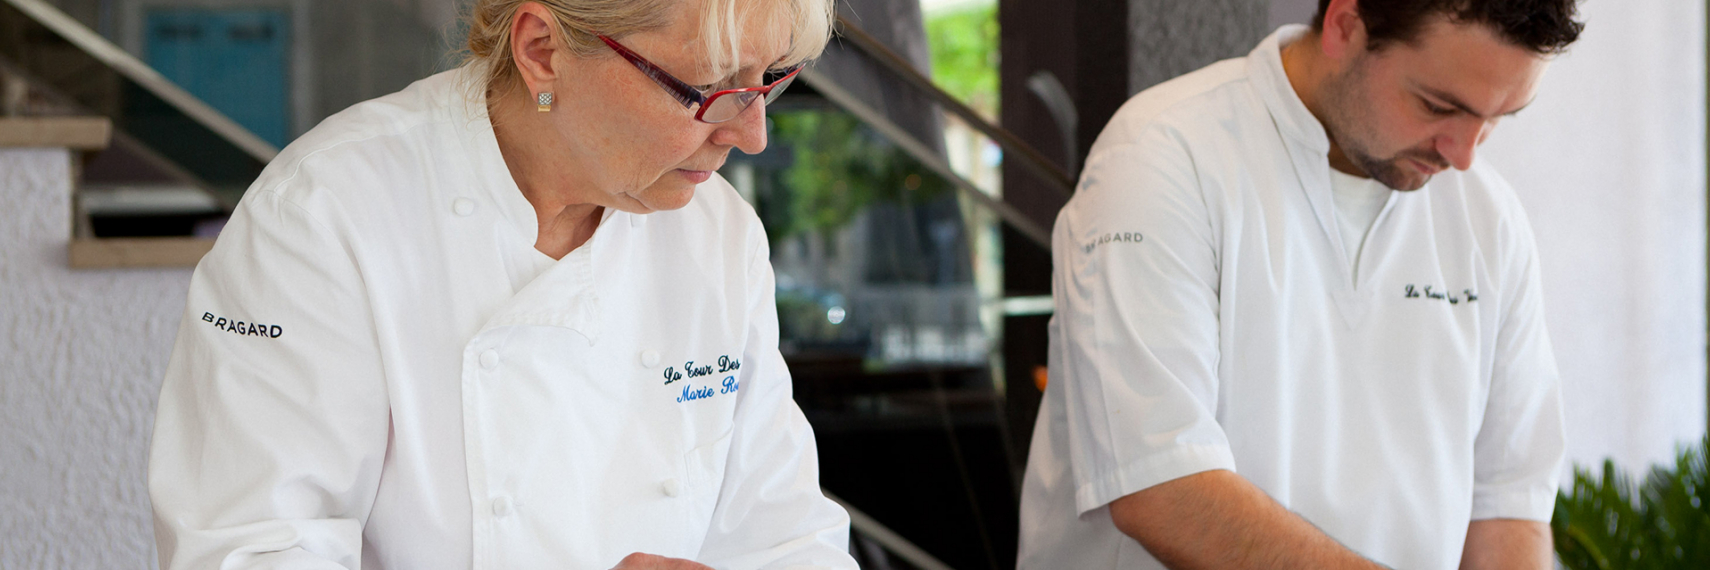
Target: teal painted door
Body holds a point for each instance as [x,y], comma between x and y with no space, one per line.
[234,59]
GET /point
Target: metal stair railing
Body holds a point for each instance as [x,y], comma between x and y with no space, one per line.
[891,541]
[1026,155]
[1030,157]
[923,154]
[134,69]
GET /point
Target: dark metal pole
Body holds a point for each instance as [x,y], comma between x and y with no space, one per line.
[1101,67]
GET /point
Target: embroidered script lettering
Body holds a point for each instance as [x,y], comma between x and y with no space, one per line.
[692,393]
[725,364]
[1412,291]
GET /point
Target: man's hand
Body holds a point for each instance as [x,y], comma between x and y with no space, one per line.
[639,561]
[1218,520]
[1508,544]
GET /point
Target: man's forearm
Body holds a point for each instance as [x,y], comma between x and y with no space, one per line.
[1218,520]
[1508,544]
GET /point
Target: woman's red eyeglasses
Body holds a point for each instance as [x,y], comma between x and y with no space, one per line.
[718,107]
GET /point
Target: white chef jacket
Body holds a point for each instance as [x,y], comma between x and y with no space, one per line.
[1207,318]
[369,371]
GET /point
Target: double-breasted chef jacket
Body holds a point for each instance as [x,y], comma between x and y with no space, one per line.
[376,367]
[1208,316]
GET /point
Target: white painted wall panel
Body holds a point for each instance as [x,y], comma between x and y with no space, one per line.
[1609,162]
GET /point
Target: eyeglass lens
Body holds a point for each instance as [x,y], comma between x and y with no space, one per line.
[728,106]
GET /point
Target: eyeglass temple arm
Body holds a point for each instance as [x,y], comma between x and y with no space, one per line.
[680,91]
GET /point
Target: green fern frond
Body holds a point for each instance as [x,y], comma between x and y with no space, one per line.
[1608,522]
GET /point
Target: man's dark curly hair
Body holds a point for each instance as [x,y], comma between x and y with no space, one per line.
[1543,26]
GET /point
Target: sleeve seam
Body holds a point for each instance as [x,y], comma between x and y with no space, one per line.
[1150,471]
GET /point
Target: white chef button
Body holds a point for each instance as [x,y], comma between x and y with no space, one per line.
[649,358]
[671,487]
[490,359]
[502,507]
[463,206]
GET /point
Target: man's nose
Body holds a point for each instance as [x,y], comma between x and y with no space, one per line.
[1459,144]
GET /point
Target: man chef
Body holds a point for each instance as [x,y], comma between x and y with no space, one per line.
[1315,345]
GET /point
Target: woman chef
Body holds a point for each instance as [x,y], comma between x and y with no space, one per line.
[507,318]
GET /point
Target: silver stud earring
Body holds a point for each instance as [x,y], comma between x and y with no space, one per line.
[545,101]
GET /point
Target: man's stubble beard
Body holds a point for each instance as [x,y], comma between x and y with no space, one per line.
[1349,122]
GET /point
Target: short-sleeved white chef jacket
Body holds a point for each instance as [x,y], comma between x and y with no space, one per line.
[376,367]
[1207,318]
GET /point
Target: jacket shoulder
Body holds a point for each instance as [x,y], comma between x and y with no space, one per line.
[347,139]
[1195,98]
[367,150]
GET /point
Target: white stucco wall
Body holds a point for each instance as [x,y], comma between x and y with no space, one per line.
[82,354]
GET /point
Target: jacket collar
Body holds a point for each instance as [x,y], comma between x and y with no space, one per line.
[1293,119]
[468,105]
[1304,137]
[566,294]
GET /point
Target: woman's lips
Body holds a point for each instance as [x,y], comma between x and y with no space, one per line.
[696,176]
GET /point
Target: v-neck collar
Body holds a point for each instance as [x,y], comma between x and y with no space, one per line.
[1305,139]
[1308,147]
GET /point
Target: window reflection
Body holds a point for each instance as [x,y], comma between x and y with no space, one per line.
[871,250]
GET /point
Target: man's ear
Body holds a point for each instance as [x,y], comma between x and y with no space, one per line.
[534,42]
[1344,32]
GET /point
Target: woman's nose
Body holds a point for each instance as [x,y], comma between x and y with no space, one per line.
[746,131]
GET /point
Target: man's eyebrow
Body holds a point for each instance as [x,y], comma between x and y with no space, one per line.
[1465,108]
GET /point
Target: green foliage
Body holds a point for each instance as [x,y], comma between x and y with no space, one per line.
[964,46]
[840,168]
[1609,523]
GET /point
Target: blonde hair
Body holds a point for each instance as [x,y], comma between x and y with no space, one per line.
[489,43]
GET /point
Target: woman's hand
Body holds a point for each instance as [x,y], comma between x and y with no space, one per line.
[639,561]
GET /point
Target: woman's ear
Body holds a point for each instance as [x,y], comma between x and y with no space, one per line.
[534,42]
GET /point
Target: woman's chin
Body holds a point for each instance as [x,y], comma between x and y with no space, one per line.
[666,195]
